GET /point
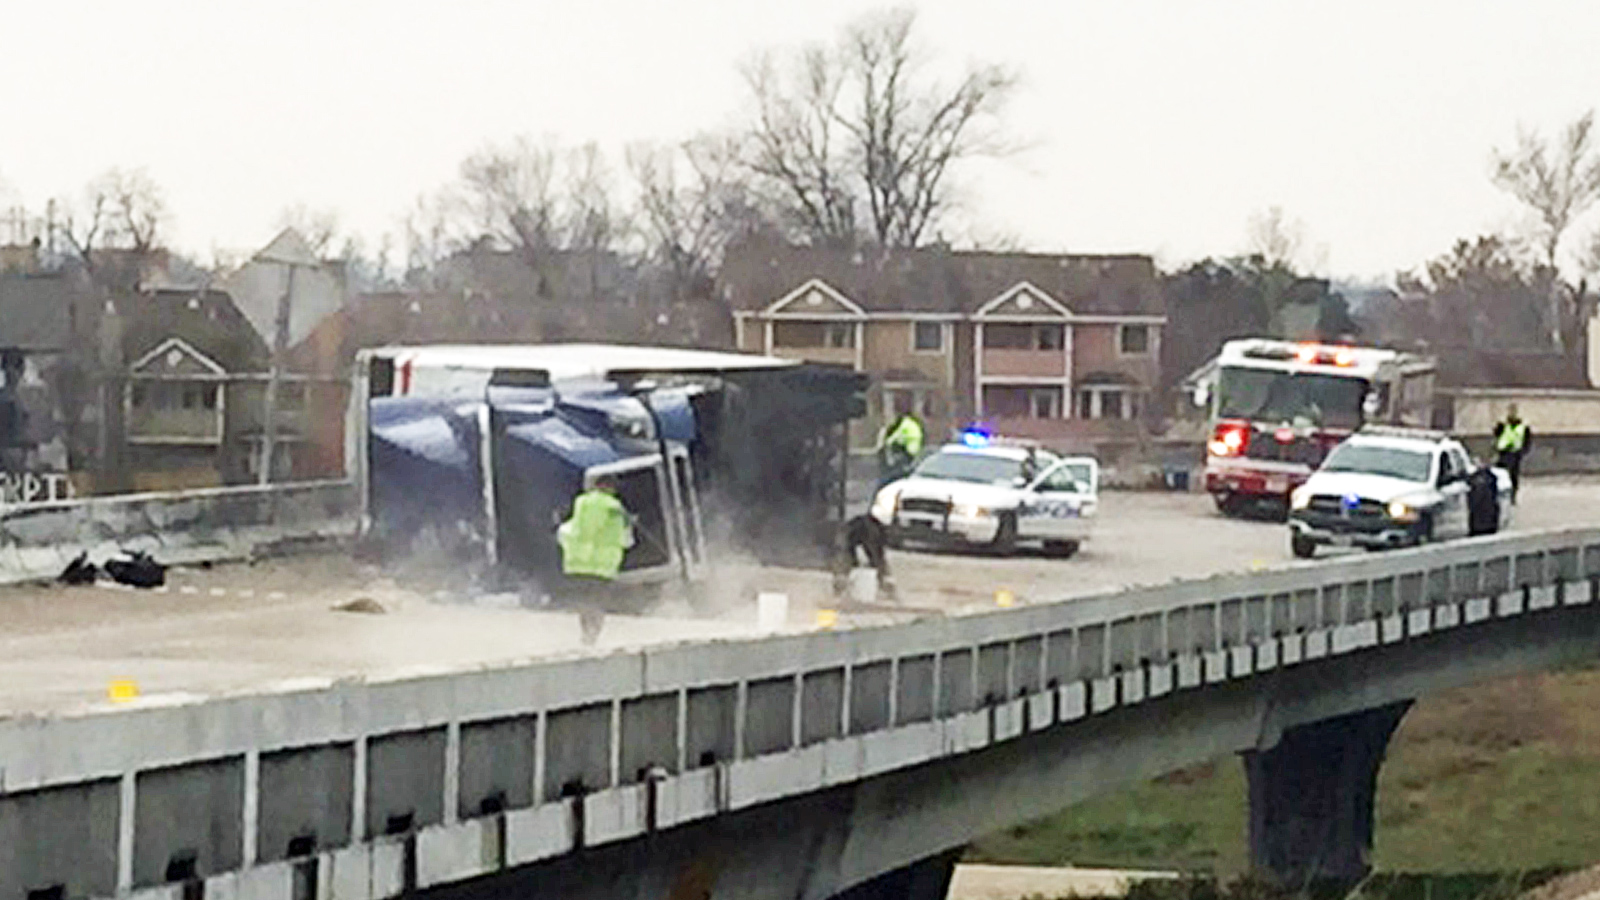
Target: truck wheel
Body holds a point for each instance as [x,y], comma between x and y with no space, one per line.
[1061,549]
[1229,504]
[1424,532]
[1005,537]
[1302,546]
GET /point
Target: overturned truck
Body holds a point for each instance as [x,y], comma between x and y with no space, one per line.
[481,450]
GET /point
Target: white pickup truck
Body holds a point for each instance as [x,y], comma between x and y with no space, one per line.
[996,495]
[1391,487]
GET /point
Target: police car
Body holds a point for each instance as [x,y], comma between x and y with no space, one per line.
[1390,487]
[995,493]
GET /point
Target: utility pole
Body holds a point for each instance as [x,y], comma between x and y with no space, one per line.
[280,347]
[288,250]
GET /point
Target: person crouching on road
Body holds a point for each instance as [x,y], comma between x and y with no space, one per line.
[1511,439]
[593,541]
[1483,501]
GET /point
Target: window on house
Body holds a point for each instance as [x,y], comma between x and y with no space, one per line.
[209,397]
[1045,403]
[191,396]
[292,396]
[139,396]
[1107,403]
[1111,404]
[803,335]
[1049,337]
[1135,339]
[1008,337]
[929,337]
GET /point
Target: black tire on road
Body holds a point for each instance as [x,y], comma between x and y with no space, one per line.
[1229,504]
[1061,549]
[1302,546]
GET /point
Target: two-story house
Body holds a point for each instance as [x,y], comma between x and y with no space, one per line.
[1060,348]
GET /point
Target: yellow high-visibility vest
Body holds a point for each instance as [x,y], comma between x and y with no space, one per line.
[1512,437]
[595,538]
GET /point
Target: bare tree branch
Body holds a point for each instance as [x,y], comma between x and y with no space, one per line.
[1558,179]
[1275,238]
[860,125]
[319,227]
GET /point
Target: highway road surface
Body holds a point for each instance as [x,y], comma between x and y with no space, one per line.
[243,627]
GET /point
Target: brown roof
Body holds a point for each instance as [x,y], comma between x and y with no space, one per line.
[1474,367]
[936,280]
[206,320]
[374,320]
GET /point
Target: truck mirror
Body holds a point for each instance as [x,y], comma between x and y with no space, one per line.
[1369,404]
[1201,395]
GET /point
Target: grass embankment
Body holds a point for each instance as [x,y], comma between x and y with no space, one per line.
[1502,777]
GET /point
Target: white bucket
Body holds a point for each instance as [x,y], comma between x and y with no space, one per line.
[772,611]
[864,585]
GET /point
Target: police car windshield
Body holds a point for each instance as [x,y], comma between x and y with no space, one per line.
[973,467]
[1392,462]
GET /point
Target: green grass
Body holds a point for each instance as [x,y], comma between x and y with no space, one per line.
[1499,778]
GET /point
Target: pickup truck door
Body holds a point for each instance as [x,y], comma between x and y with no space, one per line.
[1051,508]
[1451,482]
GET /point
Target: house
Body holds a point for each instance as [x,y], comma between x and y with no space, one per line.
[193,407]
[1061,348]
[45,342]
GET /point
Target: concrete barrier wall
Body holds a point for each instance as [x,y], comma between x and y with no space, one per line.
[37,541]
[372,788]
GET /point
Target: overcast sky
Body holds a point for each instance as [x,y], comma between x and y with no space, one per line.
[1156,127]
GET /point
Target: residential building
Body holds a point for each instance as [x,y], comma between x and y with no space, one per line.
[1061,348]
[194,395]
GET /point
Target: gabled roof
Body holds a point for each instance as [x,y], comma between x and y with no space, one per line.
[173,352]
[936,280]
[817,298]
[1023,299]
[206,322]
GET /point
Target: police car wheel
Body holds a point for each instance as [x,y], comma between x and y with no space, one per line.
[1061,549]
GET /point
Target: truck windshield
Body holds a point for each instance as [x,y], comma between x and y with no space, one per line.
[1300,398]
[973,467]
[1392,462]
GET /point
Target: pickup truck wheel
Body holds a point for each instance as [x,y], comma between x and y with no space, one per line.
[1005,537]
[1302,546]
[1424,531]
[1061,549]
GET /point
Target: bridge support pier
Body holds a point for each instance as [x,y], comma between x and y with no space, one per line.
[1311,799]
[926,879]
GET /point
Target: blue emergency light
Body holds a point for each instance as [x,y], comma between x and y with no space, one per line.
[975,436]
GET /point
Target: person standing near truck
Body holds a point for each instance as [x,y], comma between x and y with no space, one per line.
[898,448]
[1511,439]
[593,541]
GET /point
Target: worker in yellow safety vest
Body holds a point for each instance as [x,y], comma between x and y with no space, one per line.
[1511,440]
[593,541]
[899,445]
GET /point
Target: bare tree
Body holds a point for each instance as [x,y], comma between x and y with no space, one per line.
[509,195]
[1559,180]
[319,227]
[693,200]
[861,128]
[122,209]
[1275,238]
[428,238]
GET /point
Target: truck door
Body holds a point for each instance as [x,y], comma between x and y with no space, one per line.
[1452,484]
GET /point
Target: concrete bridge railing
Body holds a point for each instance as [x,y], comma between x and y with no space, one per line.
[38,540]
[369,789]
